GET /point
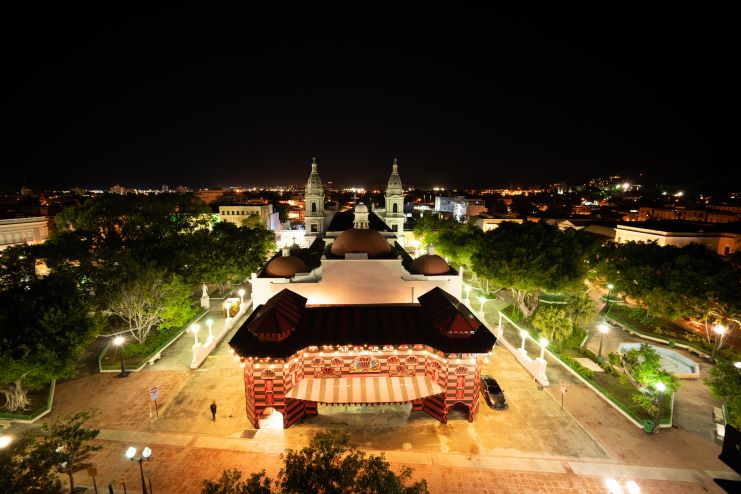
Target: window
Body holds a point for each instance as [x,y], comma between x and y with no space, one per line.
[313,207]
[314,228]
[395,208]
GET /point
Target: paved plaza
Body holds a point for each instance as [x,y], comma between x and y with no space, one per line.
[533,446]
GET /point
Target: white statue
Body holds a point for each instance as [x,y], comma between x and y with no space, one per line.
[205,291]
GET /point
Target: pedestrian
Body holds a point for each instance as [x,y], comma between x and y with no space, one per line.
[213,410]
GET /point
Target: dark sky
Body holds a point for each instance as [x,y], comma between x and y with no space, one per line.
[475,98]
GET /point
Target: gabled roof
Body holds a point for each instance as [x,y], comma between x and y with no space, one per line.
[279,316]
[447,314]
[450,329]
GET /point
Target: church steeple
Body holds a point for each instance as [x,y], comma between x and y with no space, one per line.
[395,200]
[314,202]
[394,185]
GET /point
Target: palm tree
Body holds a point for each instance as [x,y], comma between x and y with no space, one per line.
[579,308]
[553,324]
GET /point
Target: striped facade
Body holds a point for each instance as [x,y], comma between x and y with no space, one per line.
[433,382]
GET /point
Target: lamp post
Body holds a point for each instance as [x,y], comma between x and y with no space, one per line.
[5,441]
[118,341]
[241,296]
[227,308]
[209,323]
[523,335]
[194,329]
[467,288]
[543,344]
[482,299]
[720,331]
[603,329]
[131,455]
[737,365]
[610,286]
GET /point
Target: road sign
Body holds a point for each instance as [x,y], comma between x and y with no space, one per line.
[563,386]
[92,471]
[154,393]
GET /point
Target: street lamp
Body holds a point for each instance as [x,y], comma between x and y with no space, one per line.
[543,344]
[737,365]
[482,299]
[610,286]
[241,296]
[660,387]
[523,335]
[467,288]
[118,341]
[602,329]
[209,323]
[5,440]
[194,329]
[131,455]
[227,308]
[721,331]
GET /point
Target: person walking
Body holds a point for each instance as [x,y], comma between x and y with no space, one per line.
[213,410]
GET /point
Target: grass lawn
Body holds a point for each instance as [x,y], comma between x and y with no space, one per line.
[656,326]
[135,353]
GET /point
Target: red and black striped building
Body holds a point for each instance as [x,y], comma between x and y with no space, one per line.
[427,354]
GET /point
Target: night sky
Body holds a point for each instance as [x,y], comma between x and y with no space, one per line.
[476,98]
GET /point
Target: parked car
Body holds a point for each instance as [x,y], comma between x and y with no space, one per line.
[493,394]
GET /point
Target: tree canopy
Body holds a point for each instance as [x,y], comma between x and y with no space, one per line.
[529,258]
[331,464]
[456,241]
[43,331]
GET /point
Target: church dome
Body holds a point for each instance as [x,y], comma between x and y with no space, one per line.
[285,267]
[430,264]
[361,240]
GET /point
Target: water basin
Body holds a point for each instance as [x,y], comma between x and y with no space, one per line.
[672,362]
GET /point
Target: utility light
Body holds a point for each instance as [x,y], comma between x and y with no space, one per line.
[131,452]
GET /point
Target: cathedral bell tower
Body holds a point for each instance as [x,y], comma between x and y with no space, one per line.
[314,203]
[395,202]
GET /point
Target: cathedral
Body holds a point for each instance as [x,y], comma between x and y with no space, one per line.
[320,222]
[354,319]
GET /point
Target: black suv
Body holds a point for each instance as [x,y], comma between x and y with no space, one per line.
[493,394]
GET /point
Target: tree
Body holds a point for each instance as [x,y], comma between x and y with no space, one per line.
[30,464]
[331,464]
[43,330]
[579,308]
[151,299]
[553,324]
[456,241]
[724,381]
[643,370]
[529,258]
[230,483]
[71,442]
[228,254]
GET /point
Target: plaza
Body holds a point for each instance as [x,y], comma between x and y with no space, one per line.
[533,446]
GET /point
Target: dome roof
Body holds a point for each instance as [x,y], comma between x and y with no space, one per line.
[285,267]
[430,264]
[363,240]
[361,208]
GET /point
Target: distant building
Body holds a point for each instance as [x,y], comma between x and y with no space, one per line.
[117,189]
[724,243]
[17,231]
[210,196]
[487,224]
[718,214]
[238,213]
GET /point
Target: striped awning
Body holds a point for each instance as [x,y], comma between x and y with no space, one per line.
[364,389]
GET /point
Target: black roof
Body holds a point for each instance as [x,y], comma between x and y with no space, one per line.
[381,324]
[345,220]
